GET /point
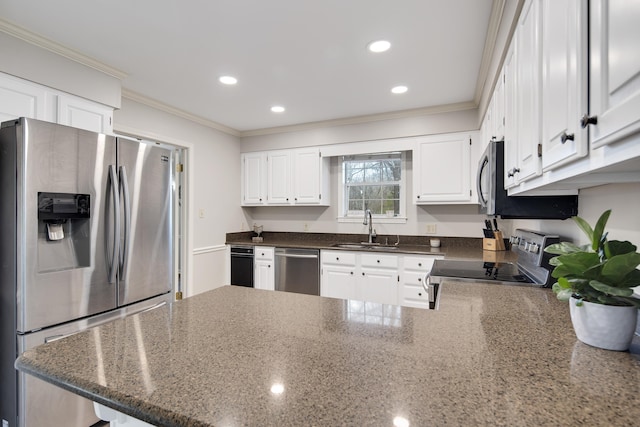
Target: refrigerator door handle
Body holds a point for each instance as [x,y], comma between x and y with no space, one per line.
[124,186]
[113,262]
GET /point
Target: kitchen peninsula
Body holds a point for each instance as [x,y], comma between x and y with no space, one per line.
[490,355]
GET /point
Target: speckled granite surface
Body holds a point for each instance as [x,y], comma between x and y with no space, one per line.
[491,355]
[451,247]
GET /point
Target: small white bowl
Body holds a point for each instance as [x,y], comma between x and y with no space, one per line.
[435,243]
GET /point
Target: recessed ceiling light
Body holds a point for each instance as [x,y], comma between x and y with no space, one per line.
[277,109]
[399,89]
[228,80]
[379,46]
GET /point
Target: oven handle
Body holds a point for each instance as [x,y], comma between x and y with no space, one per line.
[429,288]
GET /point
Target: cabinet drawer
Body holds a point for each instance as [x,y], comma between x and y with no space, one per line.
[263,253]
[419,263]
[414,296]
[378,260]
[414,278]
[338,258]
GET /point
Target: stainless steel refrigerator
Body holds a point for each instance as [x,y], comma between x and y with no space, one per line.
[86,224]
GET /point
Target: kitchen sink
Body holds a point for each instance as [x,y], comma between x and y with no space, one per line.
[349,246]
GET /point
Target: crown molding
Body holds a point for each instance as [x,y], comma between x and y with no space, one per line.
[495,19]
[158,105]
[448,108]
[44,43]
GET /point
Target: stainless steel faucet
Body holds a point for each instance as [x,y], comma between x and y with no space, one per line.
[368,219]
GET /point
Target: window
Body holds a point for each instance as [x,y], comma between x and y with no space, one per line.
[374,182]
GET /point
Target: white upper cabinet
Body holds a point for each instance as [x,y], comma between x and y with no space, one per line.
[510,128]
[253,166]
[614,70]
[564,80]
[22,98]
[443,170]
[285,178]
[278,177]
[308,173]
[83,114]
[606,78]
[497,116]
[528,80]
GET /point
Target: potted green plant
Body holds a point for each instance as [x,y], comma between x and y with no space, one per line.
[598,280]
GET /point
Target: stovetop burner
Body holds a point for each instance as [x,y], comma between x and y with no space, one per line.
[532,267]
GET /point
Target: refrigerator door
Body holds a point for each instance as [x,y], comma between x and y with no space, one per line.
[146,263]
[64,279]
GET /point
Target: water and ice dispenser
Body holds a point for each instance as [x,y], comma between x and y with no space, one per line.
[64,232]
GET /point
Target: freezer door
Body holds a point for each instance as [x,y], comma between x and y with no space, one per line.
[146,266]
[64,279]
[43,404]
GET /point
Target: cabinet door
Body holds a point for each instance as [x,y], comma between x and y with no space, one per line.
[564,77]
[20,99]
[83,114]
[614,70]
[264,277]
[253,179]
[279,177]
[498,109]
[510,122]
[378,285]
[339,282]
[442,171]
[306,176]
[528,70]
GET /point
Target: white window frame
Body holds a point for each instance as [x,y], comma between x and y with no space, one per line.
[379,219]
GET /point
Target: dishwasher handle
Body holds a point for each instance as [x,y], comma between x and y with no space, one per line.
[285,255]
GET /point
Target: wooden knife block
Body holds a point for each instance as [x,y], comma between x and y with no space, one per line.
[495,244]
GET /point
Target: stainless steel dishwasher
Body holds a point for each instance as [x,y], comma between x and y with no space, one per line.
[297,270]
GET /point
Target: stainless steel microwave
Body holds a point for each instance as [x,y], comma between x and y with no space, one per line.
[493,198]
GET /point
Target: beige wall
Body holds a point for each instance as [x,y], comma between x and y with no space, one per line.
[33,63]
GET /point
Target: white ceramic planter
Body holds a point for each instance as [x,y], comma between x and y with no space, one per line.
[603,326]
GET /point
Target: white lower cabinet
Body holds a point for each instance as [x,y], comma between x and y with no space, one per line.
[263,270]
[414,273]
[338,275]
[380,278]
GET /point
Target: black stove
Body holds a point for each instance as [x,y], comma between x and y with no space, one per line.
[532,267]
[479,270]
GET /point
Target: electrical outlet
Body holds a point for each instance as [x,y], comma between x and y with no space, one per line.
[201,213]
[431,229]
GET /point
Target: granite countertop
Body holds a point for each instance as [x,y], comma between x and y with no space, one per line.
[490,355]
[463,248]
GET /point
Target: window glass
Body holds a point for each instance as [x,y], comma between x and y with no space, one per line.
[372,182]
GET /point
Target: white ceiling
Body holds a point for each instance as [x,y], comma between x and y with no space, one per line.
[309,56]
